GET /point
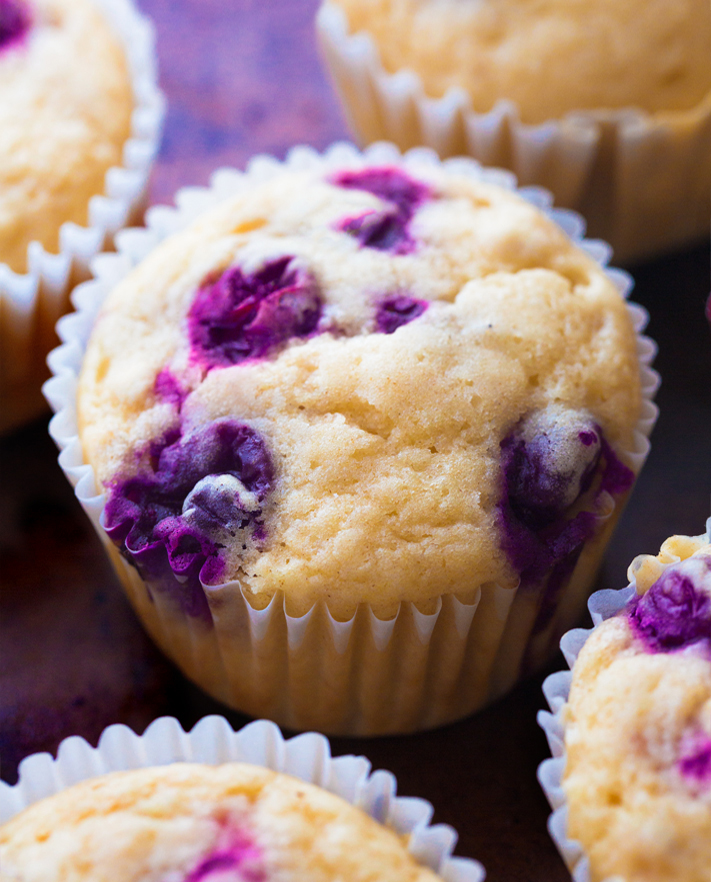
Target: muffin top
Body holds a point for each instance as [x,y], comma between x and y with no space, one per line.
[638,726]
[362,384]
[548,56]
[65,113]
[194,823]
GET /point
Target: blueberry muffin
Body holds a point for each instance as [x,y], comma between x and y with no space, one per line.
[638,726]
[187,822]
[352,388]
[65,114]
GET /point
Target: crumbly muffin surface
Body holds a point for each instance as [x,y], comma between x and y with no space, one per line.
[193,823]
[548,56]
[366,357]
[65,114]
[638,727]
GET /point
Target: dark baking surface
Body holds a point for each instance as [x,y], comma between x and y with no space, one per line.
[244,77]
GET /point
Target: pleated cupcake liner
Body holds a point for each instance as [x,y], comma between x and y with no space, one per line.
[31,302]
[212,741]
[364,676]
[602,605]
[642,180]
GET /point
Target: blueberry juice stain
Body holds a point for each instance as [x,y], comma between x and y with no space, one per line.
[675,612]
[388,228]
[398,310]
[15,22]
[239,316]
[549,472]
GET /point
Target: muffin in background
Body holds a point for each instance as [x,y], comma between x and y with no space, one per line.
[80,117]
[61,129]
[605,103]
[216,804]
[633,738]
[361,432]
[195,822]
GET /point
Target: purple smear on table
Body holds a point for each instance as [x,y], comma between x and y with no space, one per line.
[396,311]
[170,528]
[239,316]
[14,22]
[673,613]
[385,230]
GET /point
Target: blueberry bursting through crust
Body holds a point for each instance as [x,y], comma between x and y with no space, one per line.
[238,316]
[547,471]
[199,491]
[386,229]
[673,613]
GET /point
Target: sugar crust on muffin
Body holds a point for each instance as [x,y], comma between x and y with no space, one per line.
[638,726]
[381,335]
[65,114]
[188,823]
[549,57]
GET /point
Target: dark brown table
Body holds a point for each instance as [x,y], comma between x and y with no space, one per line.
[243,77]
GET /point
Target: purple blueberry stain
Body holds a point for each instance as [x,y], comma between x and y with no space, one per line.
[695,764]
[167,389]
[239,316]
[675,612]
[383,231]
[387,229]
[396,311]
[616,478]
[242,858]
[549,463]
[14,22]
[194,494]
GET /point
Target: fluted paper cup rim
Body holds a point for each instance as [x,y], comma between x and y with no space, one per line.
[134,243]
[124,183]
[331,20]
[213,741]
[602,606]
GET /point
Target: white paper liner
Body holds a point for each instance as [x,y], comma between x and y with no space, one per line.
[213,741]
[602,605]
[31,302]
[642,181]
[365,676]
